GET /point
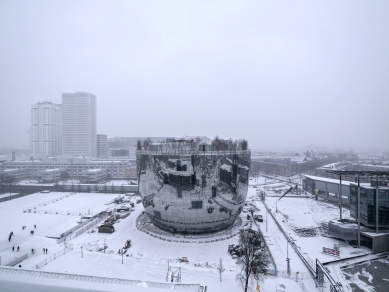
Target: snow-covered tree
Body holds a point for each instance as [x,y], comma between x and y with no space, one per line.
[254,261]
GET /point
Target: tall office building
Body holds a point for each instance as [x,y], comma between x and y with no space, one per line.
[102,146]
[46,129]
[79,124]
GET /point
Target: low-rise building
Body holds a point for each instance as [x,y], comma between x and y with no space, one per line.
[12,174]
[94,175]
[50,175]
[73,166]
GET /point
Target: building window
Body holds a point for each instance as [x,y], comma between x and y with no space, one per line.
[197,204]
[157,214]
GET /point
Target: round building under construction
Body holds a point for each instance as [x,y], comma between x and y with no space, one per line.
[186,190]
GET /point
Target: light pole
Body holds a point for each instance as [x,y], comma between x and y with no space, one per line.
[287,257]
[122,255]
[82,255]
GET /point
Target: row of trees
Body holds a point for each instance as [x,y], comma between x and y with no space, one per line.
[225,145]
[193,144]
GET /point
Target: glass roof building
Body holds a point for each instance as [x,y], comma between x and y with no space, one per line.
[368,204]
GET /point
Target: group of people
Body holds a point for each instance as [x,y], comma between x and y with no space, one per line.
[18,248]
[45,250]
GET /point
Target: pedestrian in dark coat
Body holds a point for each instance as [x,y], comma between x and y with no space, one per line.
[13,248]
[18,248]
[43,250]
[46,250]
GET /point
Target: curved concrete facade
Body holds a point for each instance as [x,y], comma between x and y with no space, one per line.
[193,192]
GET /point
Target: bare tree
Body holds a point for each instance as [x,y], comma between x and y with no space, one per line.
[253,261]
[139,145]
[243,144]
[146,143]
[216,143]
[221,269]
[64,176]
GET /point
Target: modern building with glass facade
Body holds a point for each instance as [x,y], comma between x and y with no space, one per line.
[193,191]
[368,205]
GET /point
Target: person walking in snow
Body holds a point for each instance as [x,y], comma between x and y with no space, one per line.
[32,251]
[46,250]
[13,248]
[35,226]
[18,248]
[43,250]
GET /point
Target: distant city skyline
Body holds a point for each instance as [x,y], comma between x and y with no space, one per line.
[277,74]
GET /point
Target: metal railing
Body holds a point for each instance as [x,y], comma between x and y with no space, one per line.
[192,152]
[51,258]
[49,201]
[78,232]
[291,242]
[79,188]
[292,276]
[56,212]
[95,279]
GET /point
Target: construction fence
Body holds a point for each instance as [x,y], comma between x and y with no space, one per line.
[51,258]
[78,232]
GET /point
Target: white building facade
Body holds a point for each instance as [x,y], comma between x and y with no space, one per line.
[74,166]
[46,129]
[50,175]
[79,124]
[102,146]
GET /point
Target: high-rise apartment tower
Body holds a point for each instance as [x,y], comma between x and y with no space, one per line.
[79,124]
[46,129]
[102,146]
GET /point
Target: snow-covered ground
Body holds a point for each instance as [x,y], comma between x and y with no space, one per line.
[149,257]
[120,182]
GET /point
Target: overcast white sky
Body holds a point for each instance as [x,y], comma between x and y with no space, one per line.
[279,73]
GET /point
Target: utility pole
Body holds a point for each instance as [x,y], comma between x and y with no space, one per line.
[122,255]
[276,205]
[82,255]
[287,257]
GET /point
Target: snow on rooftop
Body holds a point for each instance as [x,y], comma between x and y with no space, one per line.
[226,167]
[330,180]
[94,170]
[52,170]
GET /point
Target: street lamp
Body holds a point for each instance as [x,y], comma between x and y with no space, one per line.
[122,253]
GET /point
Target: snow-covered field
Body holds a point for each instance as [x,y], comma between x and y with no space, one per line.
[149,257]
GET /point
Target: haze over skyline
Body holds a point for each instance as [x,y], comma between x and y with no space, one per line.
[279,74]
